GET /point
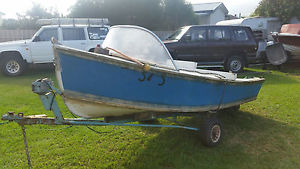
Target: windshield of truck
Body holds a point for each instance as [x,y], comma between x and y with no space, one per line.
[178,34]
[97,33]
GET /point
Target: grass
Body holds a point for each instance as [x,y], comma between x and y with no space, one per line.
[264,134]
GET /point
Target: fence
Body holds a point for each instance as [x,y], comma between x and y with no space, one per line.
[10,35]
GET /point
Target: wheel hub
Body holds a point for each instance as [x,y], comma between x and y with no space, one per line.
[12,67]
[235,65]
[215,133]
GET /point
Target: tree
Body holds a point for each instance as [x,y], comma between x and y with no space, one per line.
[146,13]
[28,20]
[284,9]
[152,14]
[178,13]
[38,12]
[87,8]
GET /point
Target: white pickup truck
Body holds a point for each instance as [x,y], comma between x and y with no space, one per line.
[15,56]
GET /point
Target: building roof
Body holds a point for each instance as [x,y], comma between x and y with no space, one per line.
[208,8]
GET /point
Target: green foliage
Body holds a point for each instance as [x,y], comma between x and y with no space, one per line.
[28,21]
[264,134]
[284,9]
[178,13]
[152,14]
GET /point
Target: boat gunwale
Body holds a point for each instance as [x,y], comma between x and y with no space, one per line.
[287,34]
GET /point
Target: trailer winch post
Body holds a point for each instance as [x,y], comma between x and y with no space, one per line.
[47,92]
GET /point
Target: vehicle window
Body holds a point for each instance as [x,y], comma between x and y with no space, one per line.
[73,34]
[219,34]
[178,34]
[97,33]
[198,35]
[47,34]
[240,35]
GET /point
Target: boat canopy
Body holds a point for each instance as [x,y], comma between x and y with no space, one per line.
[139,43]
[291,28]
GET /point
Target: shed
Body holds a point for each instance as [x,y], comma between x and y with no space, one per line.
[210,13]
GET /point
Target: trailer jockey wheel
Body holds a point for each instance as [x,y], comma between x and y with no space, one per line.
[211,132]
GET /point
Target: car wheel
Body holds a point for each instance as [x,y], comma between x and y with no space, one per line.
[235,64]
[13,66]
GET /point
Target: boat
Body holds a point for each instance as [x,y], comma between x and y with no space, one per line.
[289,36]
[134,78]
[138,75]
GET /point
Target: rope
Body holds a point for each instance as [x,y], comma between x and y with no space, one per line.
[222,97]
[58,129]
[98,132]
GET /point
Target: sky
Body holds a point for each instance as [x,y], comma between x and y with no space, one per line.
[11,7]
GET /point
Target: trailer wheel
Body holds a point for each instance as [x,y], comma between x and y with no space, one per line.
[211,132]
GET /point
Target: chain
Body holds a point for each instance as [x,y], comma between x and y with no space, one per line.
[26,146]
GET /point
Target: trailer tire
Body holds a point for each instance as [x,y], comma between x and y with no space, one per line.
[211,132]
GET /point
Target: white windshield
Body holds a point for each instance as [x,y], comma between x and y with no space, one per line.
[178,34]
[138,43]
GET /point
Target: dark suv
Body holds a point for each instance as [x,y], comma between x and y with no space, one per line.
[230,46]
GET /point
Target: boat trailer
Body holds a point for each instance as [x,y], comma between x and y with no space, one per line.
[211,129]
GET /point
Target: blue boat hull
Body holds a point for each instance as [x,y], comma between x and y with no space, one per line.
[96,86]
